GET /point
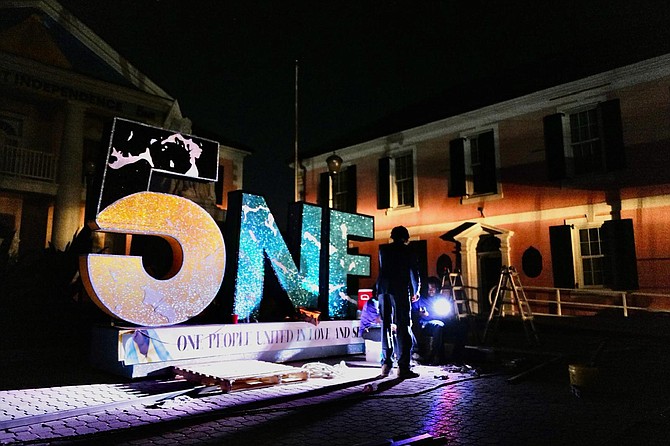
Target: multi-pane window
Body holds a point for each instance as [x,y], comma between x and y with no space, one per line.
[396,183]
[585,141]
[591,253]
[594,256]
[476,168]
[404,180]
[340,191]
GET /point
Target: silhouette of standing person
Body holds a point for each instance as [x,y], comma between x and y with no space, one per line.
[398,286]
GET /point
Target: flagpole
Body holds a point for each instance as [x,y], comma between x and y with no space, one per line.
[296,160]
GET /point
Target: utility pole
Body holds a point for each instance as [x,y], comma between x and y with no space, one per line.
[296,159]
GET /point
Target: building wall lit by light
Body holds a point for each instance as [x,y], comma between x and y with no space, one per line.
[577,172]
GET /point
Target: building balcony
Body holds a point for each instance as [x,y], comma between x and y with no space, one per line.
[26,163]
[25,170]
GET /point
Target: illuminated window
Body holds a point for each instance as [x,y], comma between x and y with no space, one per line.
[591,257]
[397,181]
[344,189]
[473,163]
[594,255]
[404,180]
[584,140]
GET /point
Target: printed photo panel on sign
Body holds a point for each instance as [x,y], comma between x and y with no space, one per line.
[145,158]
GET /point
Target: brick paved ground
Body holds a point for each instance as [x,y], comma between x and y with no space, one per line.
[502,404]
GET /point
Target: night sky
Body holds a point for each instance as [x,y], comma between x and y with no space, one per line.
[231,64]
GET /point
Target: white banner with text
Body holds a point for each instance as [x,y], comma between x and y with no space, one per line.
[146,345]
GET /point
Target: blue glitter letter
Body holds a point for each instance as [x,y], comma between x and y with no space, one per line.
[259,237]
[344,226]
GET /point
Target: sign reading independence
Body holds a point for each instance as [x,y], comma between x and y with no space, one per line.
[54,89]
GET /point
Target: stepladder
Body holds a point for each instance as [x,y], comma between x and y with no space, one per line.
[452,282]
[456,289]
[510,292]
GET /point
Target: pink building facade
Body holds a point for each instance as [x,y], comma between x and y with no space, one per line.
[570,185]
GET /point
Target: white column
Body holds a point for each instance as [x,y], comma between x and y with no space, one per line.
[67,210]
[469,262]
[505,248]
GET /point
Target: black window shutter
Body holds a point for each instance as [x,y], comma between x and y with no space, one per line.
[620,263]
[554,146]
[615,155]
[324,189]
[457,167]
[384,184]
[218,191]
[487,153]
[352,196]
[560,240]
[420,249]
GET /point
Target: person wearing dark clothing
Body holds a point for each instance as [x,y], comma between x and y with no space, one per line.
[398,286]
[437,323]
[430,313]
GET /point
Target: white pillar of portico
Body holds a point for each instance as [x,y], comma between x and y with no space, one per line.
[67,209]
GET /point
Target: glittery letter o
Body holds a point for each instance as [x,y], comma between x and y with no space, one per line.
[121,287]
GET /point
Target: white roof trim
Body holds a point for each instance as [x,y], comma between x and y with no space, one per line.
[645,71]
[91,40]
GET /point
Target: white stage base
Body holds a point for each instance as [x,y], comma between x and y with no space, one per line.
[137,352]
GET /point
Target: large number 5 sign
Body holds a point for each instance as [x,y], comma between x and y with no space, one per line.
[121,286]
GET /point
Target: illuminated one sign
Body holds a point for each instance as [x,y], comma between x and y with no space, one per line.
[128,204]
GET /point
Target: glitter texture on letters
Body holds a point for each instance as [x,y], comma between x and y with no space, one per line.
[344,226]
[259,237]
[121,286]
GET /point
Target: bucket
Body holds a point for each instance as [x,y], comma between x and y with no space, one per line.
[583,376]
[364,295]
[373,351]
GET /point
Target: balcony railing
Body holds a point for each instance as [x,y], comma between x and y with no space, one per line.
[561,302]
[25,163]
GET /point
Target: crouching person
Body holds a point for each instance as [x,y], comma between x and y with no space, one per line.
[438,324]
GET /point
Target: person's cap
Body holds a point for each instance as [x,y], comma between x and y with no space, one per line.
[400,233]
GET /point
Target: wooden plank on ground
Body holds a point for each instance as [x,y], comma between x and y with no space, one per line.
[238,375]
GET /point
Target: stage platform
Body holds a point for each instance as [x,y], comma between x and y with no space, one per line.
[136,352]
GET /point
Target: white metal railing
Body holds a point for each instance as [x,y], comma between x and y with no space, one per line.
[27,163]
[569,302]
[566,302]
